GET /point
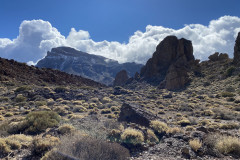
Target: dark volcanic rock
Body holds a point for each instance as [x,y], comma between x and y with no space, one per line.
[170,64]
[236,58]
[91,66]
[121,78]
[218,57]
[136,114]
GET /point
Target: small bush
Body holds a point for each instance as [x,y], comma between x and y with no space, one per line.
[41,146]
[106,111]
[66,129]
[79,108]
[228,94]
[151,137]
[158,127]
[23,88]
[4,148]
[114,135]
[228,145]
[132,136]
[39,121]
[60,89]
[87,148]
[184,122]
[195,144]
[13,143]
[40,103]
[20,98]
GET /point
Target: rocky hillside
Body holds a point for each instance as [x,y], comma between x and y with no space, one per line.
[15,72]
[94,67]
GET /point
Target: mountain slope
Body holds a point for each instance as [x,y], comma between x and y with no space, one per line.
[13,71]
[94,67]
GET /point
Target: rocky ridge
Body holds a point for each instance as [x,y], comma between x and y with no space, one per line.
[90,66]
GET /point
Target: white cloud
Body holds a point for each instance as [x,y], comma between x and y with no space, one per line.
[36,37]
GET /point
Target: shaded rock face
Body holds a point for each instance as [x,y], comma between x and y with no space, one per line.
[121,78]
[135,114]
[170,63]
[236,59]
[90,66]
[218,57]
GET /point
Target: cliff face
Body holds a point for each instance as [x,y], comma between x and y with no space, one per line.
[94,67]
[170,63]
[236,59]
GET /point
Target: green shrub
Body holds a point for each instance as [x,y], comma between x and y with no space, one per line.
[39,121]
[132,136]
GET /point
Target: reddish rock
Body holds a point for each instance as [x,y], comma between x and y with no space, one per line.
[121,78]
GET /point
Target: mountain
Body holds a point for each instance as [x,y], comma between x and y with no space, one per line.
[91,66]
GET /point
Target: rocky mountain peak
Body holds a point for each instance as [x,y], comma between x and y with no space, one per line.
[97,68]
[170,63]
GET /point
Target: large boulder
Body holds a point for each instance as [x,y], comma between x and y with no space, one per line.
[121,78]
[170,64]
[136,114]
[236,59]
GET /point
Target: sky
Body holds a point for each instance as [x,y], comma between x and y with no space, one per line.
[124,30]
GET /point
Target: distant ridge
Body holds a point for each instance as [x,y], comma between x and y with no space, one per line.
[97,68]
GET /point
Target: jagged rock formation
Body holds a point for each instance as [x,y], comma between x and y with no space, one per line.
[135,114]
[218,57]
[94,67]
[170,64]
[236,59]
[16,72]
[121,78]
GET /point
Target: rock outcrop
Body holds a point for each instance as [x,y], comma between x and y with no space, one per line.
[218,57]
[90,66]
[121,78]
[135,114]
[170,64]
[236,59]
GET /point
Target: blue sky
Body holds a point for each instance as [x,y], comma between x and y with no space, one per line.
[112,19]
[111,28]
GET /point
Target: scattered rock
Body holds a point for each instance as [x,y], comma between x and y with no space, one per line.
[135,114]
[121,78]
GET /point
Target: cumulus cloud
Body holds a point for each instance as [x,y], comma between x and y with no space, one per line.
[36,37]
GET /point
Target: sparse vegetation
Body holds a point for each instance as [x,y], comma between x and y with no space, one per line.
[132,136]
